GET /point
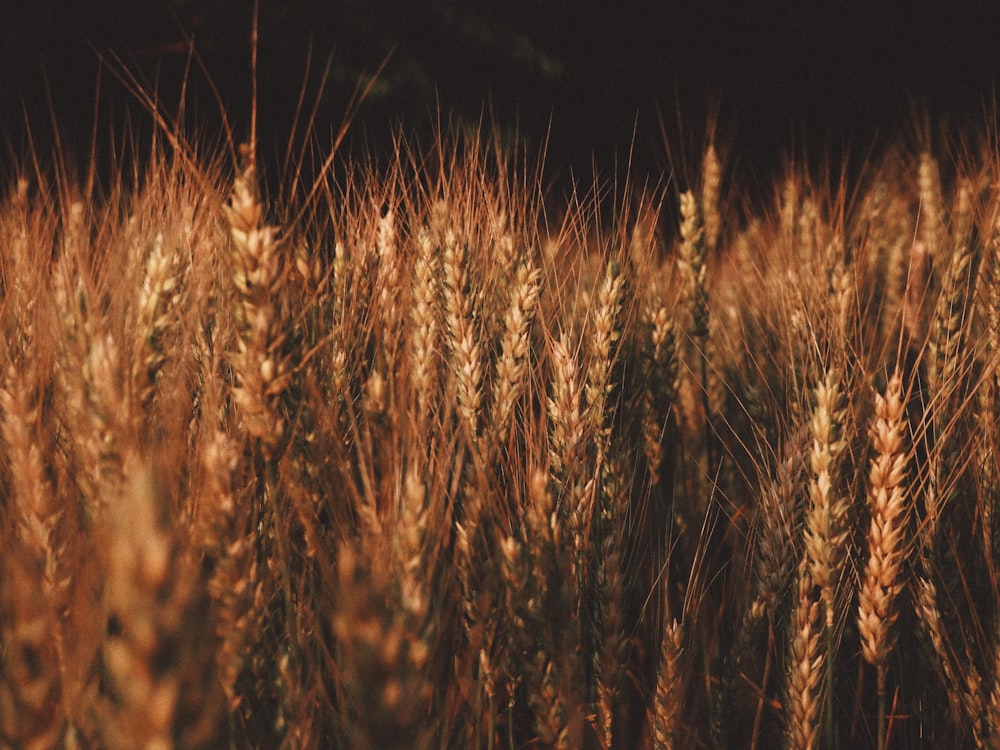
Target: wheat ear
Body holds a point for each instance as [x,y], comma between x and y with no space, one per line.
[258,274]
[698,385]
[711,182]
[805,667]
[889,507]
[512,368]
[826,519]
[668,704]
[34,588]
[932,226]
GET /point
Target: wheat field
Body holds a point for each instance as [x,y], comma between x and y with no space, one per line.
[403,457]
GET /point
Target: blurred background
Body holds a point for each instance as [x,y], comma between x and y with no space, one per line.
[592,81]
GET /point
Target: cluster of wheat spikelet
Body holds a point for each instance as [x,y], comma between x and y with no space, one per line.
[402,464]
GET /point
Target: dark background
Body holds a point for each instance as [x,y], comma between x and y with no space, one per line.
[812,76]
